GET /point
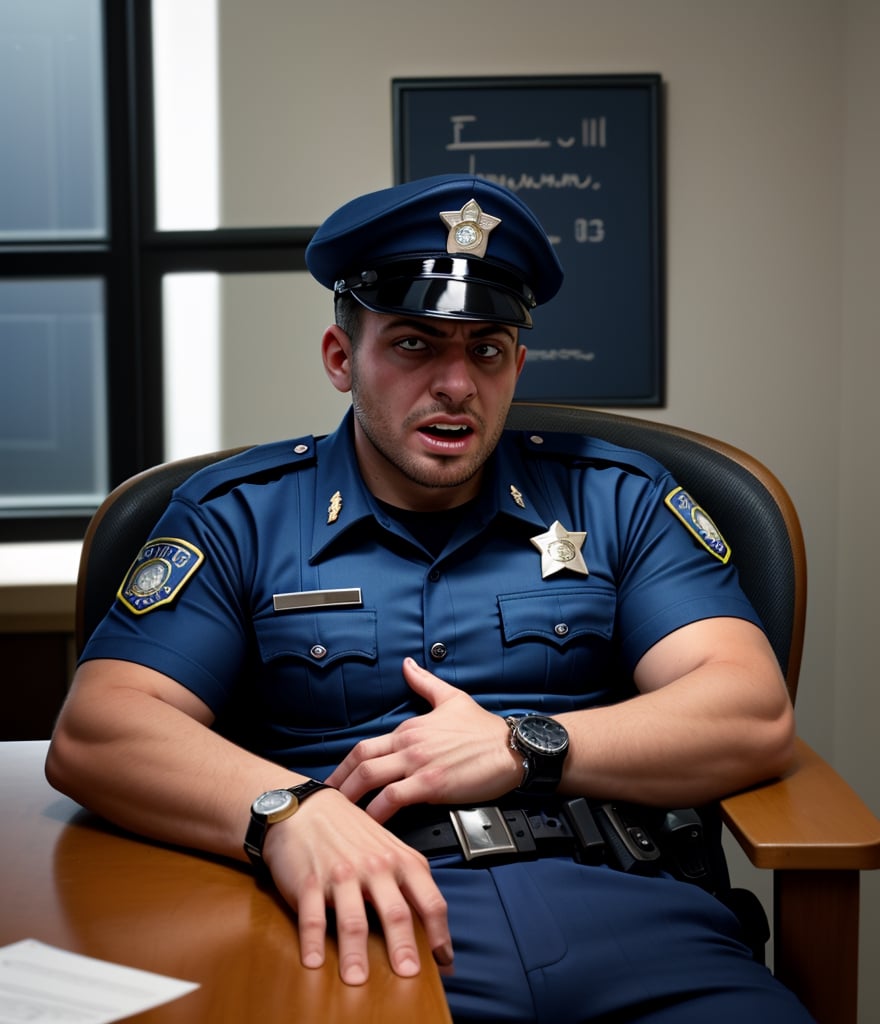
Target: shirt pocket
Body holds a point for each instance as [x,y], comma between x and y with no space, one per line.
[320,669]
[557,639]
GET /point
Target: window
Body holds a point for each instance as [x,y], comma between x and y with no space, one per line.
[53,414]
[53,234]
[93,266]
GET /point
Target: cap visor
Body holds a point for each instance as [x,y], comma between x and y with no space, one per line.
[452,299]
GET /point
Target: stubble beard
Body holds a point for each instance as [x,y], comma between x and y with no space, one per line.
[435,472]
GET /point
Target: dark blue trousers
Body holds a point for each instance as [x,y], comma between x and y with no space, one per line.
[554,942]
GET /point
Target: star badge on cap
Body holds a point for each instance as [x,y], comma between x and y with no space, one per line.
[561,549]
[469,229]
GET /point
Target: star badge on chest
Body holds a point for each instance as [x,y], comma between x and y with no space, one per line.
[561,549]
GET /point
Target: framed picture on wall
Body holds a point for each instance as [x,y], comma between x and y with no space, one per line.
[584,152]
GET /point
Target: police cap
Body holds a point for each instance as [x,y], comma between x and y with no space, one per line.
[452,246]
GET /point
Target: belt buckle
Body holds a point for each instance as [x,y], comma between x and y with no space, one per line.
[482,832]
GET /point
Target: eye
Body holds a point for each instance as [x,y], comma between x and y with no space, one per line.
[411,345]
[487,350]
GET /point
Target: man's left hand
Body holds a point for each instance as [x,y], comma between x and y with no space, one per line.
[457,753]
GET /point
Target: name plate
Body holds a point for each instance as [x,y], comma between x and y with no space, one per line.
[349,597]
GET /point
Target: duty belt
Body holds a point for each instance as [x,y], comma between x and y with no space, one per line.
[488,834]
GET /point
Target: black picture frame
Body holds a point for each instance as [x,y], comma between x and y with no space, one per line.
[584,152]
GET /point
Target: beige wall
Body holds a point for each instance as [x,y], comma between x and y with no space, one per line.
[856,702]
[772,155]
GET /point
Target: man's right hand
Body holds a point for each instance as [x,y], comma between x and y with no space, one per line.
[331,854]
[138,748]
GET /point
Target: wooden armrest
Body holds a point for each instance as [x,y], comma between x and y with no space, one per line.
[808,819]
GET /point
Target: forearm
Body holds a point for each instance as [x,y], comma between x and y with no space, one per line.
[133,758]
[666,748]
[718,727]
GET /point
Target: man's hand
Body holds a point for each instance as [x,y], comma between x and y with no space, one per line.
[457,753]
[332,855]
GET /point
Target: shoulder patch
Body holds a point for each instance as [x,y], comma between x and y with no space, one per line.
[162,568]
[698,522]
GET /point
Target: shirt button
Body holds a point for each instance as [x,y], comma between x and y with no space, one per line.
[434,575]
[561,629]
[319,651]
[439,651]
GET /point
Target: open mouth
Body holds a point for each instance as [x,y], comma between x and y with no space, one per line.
[447,431]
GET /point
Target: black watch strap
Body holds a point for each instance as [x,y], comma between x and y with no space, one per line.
[259,825]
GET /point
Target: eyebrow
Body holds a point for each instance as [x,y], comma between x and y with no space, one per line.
[486,329]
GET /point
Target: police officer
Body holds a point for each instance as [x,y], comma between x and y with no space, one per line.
[386,665]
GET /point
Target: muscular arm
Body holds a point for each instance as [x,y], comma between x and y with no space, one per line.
[712,717]
[137,748]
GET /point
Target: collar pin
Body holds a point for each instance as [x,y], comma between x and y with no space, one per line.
[334,508]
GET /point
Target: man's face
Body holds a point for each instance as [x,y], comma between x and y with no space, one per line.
[430,398]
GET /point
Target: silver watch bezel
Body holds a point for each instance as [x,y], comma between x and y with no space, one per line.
[282,803]
[532,743]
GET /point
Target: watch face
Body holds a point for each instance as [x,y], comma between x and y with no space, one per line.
[543,735]
[274,800]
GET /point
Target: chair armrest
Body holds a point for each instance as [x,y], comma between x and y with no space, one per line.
[810,819]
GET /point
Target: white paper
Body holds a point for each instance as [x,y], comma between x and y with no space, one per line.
[41,984]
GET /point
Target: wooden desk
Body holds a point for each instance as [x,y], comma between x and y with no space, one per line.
[68,879]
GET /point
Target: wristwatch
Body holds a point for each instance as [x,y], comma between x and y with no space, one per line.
[543,742]
[271,807]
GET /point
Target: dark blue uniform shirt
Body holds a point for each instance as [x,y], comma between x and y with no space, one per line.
[303,686]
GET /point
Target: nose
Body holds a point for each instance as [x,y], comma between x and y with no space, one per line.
[453,379]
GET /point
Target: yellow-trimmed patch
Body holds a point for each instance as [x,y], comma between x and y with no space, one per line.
[162,568]
[698,522]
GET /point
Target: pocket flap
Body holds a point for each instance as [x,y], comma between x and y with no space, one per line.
[559,615]
[319,638]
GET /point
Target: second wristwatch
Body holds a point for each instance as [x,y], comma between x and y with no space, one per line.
[544,743]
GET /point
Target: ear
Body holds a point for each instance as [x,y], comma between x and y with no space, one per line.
[336,355]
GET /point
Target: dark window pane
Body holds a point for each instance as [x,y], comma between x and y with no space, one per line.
[52,160]
[53,408]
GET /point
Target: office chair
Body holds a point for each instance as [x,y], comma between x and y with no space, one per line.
[808,827]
